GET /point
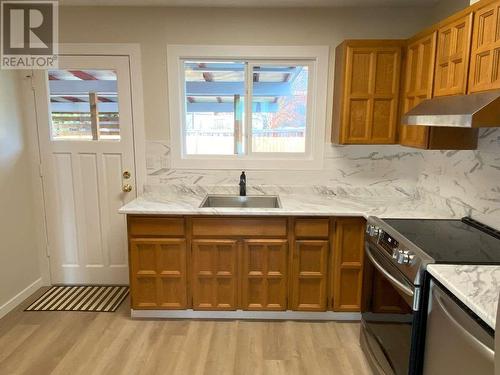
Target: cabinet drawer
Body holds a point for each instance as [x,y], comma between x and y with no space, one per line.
[311,228]
[236,227]
[156,226]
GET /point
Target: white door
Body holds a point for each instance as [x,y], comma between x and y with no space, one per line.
[84,111]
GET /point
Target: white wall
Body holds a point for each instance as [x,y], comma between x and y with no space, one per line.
[19,265]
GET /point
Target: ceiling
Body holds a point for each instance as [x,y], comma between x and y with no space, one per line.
[251,3]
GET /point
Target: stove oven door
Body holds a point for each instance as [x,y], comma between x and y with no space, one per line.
[387,318]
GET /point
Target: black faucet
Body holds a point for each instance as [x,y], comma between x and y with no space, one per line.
[243,184]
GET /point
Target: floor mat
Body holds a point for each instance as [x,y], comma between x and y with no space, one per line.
[96,298]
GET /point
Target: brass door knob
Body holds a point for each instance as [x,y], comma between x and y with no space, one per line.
[127,188]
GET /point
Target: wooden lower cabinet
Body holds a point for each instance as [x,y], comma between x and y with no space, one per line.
[348,262]
[264,274]
[158,273]
[309,275]
[301,264]
[214,274]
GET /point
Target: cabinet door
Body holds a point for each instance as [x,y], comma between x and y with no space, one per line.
[158,273]
[264,275]
[371,95]
[418,80]
[452,60]
[348,264]
[485,54]
[214,274]
[309,277]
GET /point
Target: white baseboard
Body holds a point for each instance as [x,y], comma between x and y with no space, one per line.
[20,297]
[241,314]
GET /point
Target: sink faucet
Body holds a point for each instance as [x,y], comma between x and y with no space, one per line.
[243,184]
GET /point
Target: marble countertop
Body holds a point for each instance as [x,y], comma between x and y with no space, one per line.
[478,287]
[295,201]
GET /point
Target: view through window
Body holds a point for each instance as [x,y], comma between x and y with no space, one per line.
[219,121]
[84,105]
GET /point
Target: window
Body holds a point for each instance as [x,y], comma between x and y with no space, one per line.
[84,105]
[247,107]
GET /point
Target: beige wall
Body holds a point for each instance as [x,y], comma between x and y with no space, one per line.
[18,249]
[154,28]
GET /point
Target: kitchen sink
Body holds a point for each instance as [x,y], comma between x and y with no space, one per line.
[236,201]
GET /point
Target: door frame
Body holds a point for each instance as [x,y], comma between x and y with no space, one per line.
[133,52]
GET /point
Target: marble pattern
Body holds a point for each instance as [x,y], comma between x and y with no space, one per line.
[461,182]
[478,287]
[296,200]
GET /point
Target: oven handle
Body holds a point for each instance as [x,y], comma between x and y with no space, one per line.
[468,336]
[398,284]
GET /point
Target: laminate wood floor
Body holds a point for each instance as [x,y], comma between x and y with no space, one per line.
[83,343]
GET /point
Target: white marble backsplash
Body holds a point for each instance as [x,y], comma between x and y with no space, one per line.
[465,182]
[468,178]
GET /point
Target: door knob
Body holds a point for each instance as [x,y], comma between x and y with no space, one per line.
[127,188]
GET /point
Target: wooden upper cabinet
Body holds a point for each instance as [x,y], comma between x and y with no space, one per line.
[264,275]
[309,275]
[452,59]
[485,53]
[418,81]
[348,262]
[158,273]
[367,75]
[214,274]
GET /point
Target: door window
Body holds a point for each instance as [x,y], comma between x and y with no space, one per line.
[84,105]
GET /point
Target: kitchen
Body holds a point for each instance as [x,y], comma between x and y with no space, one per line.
[340,249]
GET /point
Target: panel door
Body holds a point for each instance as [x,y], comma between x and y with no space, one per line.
[264,275]
[418,81]
[215,282]
[452,60]
[485,54]
[158,273]
[309,275]
[372,88]
[348,262]
[84,116]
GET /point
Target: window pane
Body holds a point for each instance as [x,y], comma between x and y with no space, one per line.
[214,100]
[84,105]
[279,108]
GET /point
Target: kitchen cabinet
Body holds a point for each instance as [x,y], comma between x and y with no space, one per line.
[348,259]
[367,75]
[309,275]
[264,274]
[214,275]
[417,81]
[245,263]
[485,52]
[417,86]
[158,273]
[452,58]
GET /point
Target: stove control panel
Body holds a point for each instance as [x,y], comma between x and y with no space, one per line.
[391,245]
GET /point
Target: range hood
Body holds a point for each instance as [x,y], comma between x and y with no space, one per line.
[480,110]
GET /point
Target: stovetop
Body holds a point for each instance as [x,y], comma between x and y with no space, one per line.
[451,241]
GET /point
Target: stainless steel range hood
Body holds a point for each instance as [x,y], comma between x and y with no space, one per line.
[481,110]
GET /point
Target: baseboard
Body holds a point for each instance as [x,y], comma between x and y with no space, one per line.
[20,297]
[250,315]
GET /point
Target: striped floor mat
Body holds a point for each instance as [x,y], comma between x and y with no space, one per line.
[98,298]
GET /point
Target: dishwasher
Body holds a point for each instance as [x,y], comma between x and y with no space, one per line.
[455,342]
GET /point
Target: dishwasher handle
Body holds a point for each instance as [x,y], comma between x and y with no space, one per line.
[479,345]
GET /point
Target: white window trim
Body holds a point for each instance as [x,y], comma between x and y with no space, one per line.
[317,55]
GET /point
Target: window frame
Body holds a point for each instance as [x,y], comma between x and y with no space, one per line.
[315,57]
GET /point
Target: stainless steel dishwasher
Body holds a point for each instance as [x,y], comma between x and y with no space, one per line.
[455,342]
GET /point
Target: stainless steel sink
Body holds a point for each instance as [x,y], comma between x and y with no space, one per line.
[249,201]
